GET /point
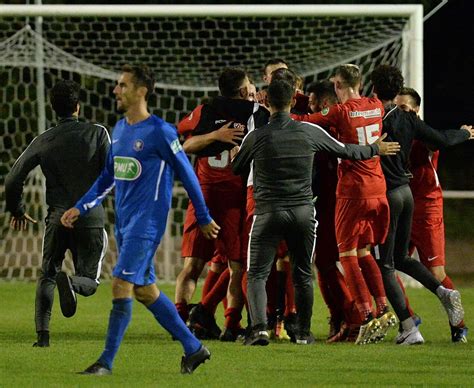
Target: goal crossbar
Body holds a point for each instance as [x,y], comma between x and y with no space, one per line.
[303,10]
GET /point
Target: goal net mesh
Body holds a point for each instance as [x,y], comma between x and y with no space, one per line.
[187,55]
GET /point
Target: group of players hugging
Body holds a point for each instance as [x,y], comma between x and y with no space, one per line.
[363,209]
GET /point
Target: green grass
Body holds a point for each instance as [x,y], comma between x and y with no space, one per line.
[148,357]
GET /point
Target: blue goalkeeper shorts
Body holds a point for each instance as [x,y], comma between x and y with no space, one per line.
[135,262]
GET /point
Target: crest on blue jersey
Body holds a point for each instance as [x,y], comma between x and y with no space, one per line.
[138,145]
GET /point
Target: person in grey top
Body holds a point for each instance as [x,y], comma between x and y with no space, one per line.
[282,153]
[71,156]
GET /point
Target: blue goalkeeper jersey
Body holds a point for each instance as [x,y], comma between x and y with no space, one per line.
[141,164]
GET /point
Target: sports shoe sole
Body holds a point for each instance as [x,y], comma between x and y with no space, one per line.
[67,297]
[367,331]
[453,307]
[387,321]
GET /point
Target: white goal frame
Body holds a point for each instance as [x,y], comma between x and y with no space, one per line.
[412,61]
[412,36]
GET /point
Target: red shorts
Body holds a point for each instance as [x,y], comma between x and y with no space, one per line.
[360,222]
[218,258]
[427,236]
[225,203]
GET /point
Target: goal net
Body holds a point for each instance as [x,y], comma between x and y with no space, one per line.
[187,53]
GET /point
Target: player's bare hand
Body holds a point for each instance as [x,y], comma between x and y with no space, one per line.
[230,133]
[70,216]
[21,223]
[211,230]
[387,147]
[470,130]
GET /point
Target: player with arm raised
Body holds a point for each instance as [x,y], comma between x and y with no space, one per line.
[141,163]
[404,127]
[362,211]
[427,233]
[282,153]
[71,156]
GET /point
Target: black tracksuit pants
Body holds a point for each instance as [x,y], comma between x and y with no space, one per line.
[88,247]
[297,226]
[393,254]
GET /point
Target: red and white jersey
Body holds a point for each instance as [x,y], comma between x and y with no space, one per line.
[423,165]
[209,169]
[357,121]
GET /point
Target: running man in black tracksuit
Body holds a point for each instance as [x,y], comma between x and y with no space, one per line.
[404,127]
[282,152]
[71,156]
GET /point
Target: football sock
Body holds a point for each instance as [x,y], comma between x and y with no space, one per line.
[211,279]
[356,284]
[218,292]
[408,324]
[119,318]
[290,306]
[373,278]
[281,293]
[232,318]
[183,311]
[244,286]
[167,316]
[407,303]
[448,283]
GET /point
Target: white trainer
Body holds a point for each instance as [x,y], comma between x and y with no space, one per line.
[410,337]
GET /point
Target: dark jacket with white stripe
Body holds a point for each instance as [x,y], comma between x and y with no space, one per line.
[404,127]
[71,156]
[283,152]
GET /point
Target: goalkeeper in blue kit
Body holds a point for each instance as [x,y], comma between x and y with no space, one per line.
[144,155]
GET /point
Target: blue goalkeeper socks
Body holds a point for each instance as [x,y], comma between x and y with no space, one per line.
[167,316]
[120,317]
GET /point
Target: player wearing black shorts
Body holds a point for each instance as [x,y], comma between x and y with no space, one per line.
[71,156]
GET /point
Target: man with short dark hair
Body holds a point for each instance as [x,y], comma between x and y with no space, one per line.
[427,232]
[362,211]
[211,131]
[71,156]
[282,153]
[144,156]
[404,127]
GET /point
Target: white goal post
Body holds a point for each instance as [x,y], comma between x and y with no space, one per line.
[187,46]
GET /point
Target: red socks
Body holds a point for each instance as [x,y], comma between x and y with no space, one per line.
[356,284]
[218,292]
[211,279]
[373,278]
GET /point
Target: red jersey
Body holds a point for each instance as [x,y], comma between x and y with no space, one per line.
[209,169]
[424,163]
[357,121]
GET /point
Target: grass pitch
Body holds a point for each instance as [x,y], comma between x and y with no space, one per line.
[148,357]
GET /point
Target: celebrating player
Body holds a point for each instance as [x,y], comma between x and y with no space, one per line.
[362,212]
[404,127]
[223,191]
[284,209]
